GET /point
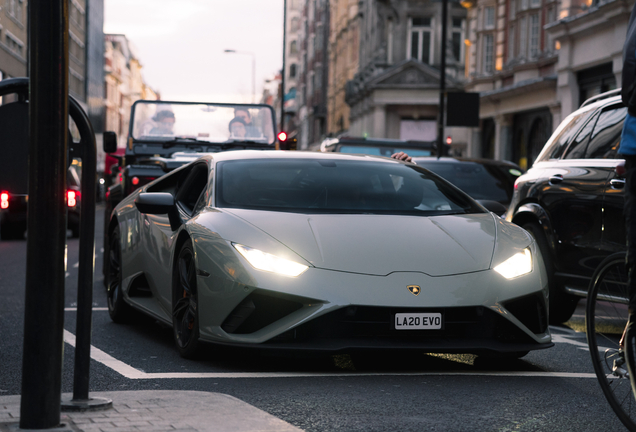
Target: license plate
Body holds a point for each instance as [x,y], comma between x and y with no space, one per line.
[418,321]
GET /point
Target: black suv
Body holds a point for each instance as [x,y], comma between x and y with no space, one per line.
[571,200]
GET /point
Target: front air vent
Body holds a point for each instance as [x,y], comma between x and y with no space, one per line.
[258,310]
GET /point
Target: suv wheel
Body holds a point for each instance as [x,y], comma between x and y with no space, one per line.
[562,305]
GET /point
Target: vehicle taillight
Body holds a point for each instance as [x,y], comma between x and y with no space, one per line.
[620,169]
[71,198]
[4,200]
[139,181]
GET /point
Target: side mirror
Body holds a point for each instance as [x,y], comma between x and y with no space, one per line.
[159,203]
[110,142]
[154,202]
[493,206]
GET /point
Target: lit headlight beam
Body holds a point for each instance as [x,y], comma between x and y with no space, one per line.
[515,266]
[271,263]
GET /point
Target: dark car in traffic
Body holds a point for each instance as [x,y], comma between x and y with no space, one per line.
[571,199]
[378,146]
[482,179]
[13,207]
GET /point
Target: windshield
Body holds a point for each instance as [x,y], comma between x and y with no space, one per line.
[336,186]
[382,151]
[161,121]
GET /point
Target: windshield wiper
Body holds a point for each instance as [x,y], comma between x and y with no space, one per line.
[184,140]
[235,142]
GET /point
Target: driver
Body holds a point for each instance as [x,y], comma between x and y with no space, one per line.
[164,123]
[250,129]
[237,127]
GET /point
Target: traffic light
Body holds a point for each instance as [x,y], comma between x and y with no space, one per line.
[282,140]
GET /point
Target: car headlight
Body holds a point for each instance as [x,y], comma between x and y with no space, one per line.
[515,266]
[267,262]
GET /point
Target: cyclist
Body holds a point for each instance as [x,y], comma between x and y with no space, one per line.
[628,151]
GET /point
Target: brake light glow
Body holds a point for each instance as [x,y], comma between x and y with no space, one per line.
[71,198]
[135,181]
[4,200]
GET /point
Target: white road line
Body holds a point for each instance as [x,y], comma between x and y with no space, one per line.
[76,265]
[132,373]
[74,309]
[107,360]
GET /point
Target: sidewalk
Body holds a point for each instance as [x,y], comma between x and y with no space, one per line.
[162,410]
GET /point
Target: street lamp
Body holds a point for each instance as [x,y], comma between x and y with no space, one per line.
[231,51]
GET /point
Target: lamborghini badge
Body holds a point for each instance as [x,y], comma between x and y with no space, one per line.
[415,289]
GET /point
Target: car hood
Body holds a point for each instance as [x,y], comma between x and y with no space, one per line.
[383,244]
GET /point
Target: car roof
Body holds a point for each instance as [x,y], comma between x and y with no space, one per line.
[480,161]
[291,154]
[379,142]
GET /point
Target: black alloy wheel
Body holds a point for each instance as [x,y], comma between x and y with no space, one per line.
[185,315]
[118,309]
[561,304]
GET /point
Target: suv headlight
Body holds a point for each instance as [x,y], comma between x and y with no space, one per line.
[515,266]
[267,262]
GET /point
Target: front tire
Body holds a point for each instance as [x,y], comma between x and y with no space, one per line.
[605,319]
[185,313]
[562,305]
[118,309]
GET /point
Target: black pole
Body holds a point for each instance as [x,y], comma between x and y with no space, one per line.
[87,150]
[282,79]
[46,223]
[442,83]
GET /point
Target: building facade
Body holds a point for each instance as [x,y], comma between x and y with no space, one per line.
[533,62]
[124,84]
[395,93]
[311,96]
[13,39]
[344,46]
[292,65]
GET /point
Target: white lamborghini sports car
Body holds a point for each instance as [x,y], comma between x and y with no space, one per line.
[324,252]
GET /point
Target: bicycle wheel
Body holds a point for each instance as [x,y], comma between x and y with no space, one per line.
[605,320]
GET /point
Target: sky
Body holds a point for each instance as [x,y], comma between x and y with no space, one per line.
[181,43]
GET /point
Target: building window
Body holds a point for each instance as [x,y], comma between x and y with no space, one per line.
[295,24]
[458,39]
[523,37]
[489,18]
[19,9]
[488,53]
[420,42]
[318,39]
[511,42]
[513,8]
[13,44]
[524,4]
[293,48]
[551,17]
[292,70]
[534,35]
[535,3]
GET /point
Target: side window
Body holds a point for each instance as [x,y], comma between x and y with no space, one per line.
[561,137]
[577,148]
[606,136]
[192,187]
